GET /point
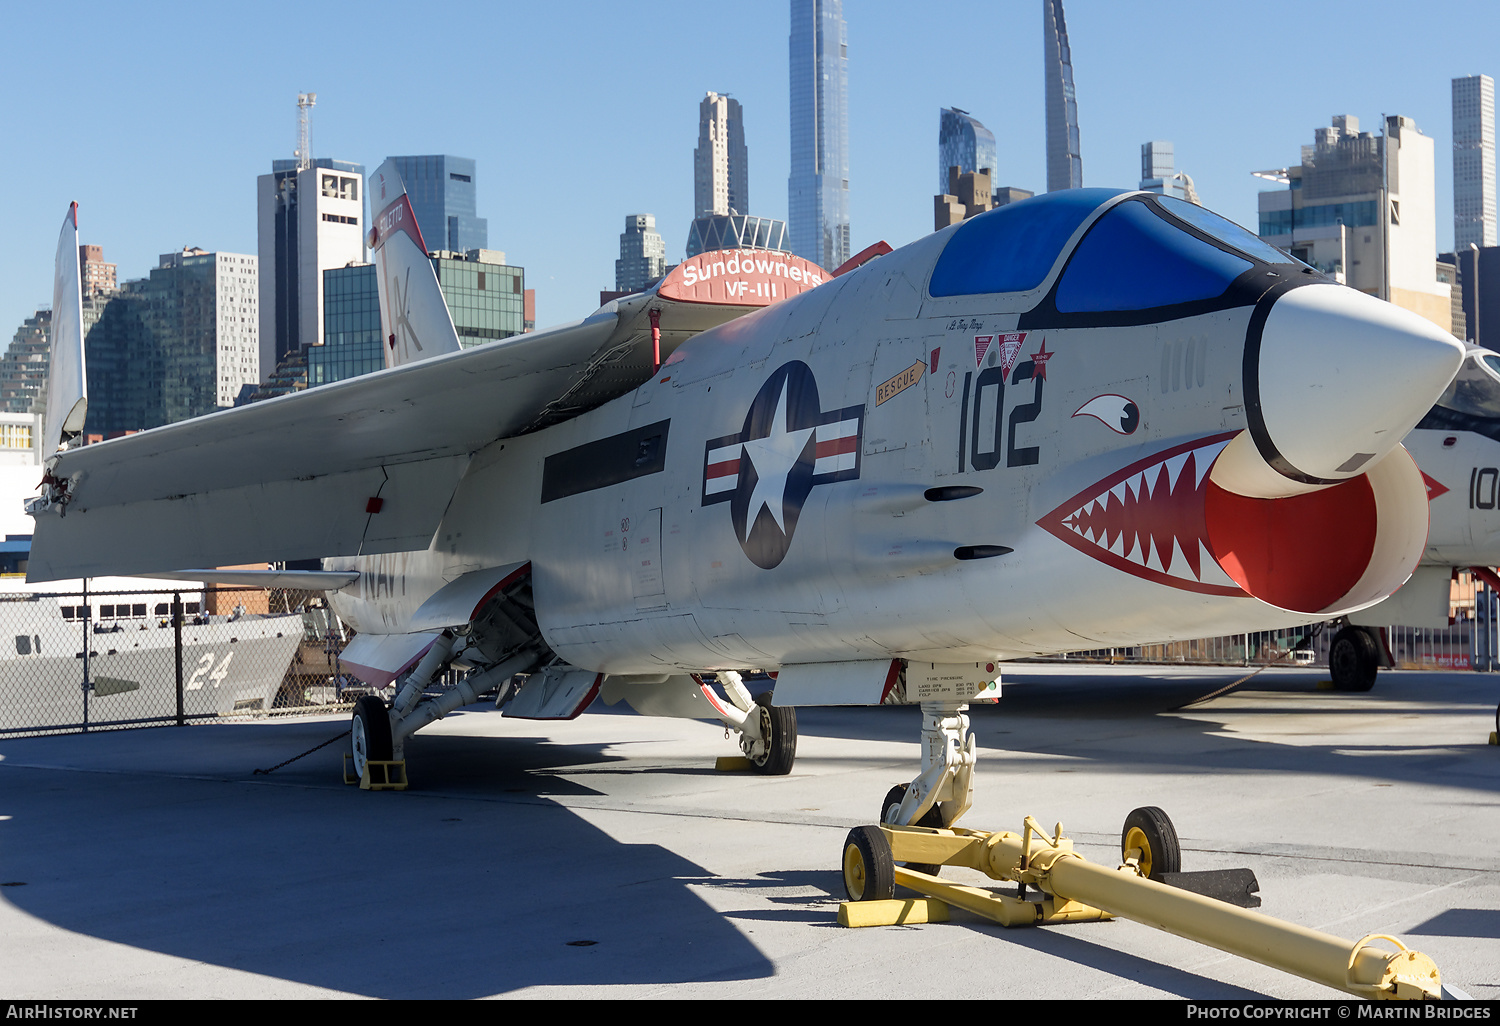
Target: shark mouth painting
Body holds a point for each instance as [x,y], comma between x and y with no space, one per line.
[1150,519]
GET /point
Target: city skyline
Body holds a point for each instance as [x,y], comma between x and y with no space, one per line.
[138,199]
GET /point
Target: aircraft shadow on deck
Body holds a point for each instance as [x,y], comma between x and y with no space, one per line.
[1083,718]
[419,895]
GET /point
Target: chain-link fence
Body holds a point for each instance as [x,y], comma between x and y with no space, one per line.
[1471,641]
[110,659]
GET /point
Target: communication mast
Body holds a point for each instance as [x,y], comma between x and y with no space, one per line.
[305,102]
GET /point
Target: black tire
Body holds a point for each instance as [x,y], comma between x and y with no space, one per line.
[1353,660]
[1150,830]
[781,746]
[869,871]
[370,733]
[931,818]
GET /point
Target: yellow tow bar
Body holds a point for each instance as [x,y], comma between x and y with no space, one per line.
[1076,890]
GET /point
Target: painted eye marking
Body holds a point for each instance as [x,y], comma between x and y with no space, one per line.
[1116,412]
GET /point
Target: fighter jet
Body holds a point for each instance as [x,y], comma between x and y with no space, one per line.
[1086,419]
[1457,447]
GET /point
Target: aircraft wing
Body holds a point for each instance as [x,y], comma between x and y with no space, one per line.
[356,467]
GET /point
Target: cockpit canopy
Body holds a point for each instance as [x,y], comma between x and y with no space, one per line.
[1145,252]
[1476,387]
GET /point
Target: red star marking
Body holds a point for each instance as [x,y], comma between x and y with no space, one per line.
[1039,362]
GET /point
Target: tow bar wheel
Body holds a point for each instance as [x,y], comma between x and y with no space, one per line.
[1149,832]
[869,870]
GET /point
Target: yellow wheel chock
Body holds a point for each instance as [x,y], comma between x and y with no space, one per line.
[1068,888]
[379,775]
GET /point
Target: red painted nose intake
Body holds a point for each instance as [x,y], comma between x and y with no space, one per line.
[1328,551]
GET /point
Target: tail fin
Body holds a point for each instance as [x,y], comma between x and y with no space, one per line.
[414,319]
[67,385]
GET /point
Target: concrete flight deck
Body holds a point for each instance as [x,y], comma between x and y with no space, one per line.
[153,864]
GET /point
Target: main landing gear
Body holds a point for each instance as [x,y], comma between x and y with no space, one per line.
[768,733]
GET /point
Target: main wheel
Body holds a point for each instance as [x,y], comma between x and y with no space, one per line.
[869,872]
[933,817]
[779,723]
[1152,832]
[370,734]
[1353,660]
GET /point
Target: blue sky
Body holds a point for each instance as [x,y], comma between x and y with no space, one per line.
[158,117]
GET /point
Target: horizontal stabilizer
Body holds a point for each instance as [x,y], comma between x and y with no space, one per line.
[300,580]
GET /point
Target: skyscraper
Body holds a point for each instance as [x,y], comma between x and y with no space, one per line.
[963,143]
[178,344]
[643,254]
[1363,208]
[1064,164]
[310,218]
[1474,162]
[442,194]
[818,188]
[1158,173]
[721,165]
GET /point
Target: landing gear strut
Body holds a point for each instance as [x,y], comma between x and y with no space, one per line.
[946,783]
[768,733]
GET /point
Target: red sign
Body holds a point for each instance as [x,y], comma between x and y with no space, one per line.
[741,277]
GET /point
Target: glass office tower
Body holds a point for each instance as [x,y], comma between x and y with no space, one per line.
[351,327]
[818,188]
[442,194]
[963,143]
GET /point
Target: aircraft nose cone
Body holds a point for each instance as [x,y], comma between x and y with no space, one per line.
[1336,379]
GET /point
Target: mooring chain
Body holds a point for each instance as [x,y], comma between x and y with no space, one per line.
[1230,687]
[314,748]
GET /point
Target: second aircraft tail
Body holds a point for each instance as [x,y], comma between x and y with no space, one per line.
[414,318]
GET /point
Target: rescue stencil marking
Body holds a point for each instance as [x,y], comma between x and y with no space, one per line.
[787,447]
[900,383]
